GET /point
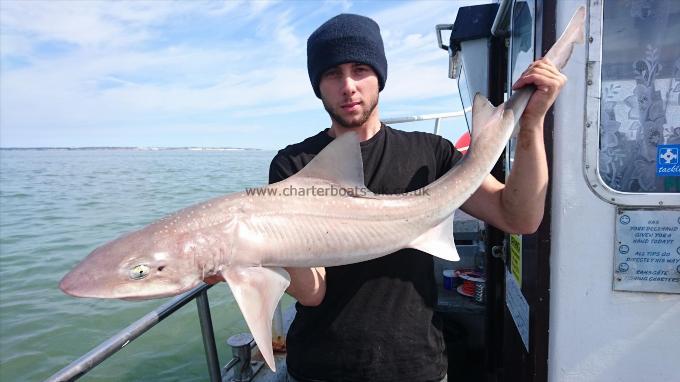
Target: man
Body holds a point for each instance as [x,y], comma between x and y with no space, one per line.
[374,321]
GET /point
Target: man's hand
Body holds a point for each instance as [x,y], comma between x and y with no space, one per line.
[517,206]
[548,82]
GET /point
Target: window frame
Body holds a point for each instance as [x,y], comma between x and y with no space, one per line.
[591,141]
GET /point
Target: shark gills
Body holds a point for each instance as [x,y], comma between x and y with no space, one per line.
[249,237]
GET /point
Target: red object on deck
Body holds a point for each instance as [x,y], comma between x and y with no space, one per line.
[463,143]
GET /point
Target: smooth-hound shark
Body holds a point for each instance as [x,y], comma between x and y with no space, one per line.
[249,237]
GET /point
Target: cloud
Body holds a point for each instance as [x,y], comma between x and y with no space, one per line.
[279,30]
[80,23]
[85,69]
[257,7]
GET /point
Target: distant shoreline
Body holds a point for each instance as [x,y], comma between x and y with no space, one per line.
[130,148]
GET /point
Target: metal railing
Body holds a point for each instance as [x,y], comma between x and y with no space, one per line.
[94,357]
[112,345]
[425,117]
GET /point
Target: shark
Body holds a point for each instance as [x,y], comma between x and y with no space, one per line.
[250,237]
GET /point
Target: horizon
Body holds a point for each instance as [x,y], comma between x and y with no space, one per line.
[150,148]
[200,74]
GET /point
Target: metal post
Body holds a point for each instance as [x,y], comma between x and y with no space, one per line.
[104,350]
[240,350]
[436,126]
[208,337]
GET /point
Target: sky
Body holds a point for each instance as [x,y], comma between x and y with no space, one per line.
[193,73]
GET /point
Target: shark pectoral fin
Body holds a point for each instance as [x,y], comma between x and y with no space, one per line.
[339,162]
[438,241]
[257,291]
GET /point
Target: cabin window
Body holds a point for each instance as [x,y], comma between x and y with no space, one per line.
[639,95]
[521,53]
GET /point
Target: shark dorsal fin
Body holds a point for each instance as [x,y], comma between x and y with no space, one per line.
[339,162]
[482,112]
[482,108]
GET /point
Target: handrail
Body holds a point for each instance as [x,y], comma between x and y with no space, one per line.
[113,344]
[501,24]
[424,117]
[118,341]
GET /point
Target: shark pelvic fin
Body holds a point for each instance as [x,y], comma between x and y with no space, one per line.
[438,241]
[340,162]
[257,290]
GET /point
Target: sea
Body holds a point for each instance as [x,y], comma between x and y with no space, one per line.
[57,205]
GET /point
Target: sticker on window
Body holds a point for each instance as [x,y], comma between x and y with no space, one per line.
[667,160]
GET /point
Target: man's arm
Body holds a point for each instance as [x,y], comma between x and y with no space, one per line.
[517,206]
[307,285]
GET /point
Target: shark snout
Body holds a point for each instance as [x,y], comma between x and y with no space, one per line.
[67,285]
[70,287]
[77,284]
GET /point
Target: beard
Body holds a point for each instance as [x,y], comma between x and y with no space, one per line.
[347,123]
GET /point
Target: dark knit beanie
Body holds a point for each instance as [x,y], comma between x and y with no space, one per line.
[342,39]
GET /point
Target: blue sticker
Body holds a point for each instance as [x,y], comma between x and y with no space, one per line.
[668,160]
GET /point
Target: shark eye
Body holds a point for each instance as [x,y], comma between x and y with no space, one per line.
[139,272]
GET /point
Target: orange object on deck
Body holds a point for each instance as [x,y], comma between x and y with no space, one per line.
[463,142]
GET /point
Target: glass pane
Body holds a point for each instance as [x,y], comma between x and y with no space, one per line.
[640,92]
[521,52]
[465,98]
[522,44]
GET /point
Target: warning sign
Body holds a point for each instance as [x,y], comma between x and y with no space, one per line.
[647,250]
[516,257]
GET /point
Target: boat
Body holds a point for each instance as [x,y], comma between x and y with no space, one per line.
[594,294]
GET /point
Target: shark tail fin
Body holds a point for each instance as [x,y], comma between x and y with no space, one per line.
[257,290]
[438,241]
[573,34]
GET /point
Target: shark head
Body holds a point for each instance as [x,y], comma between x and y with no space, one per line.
[140,265]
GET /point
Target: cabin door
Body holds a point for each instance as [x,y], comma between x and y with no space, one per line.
[518,303]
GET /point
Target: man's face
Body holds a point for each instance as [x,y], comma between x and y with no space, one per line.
[349,93]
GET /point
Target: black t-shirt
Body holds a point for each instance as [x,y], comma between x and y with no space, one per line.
[377,320]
